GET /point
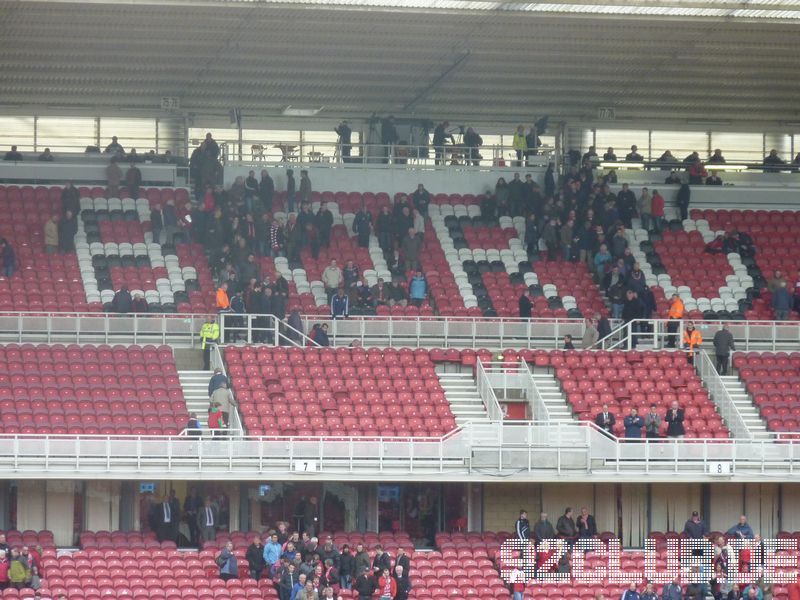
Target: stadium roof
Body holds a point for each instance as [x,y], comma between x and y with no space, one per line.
[717,60]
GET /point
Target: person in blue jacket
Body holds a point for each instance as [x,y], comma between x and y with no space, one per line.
[418,288]
[633,425]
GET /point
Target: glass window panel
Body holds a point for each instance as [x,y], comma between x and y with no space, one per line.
[745,147]
[131,133]
[621,140]
[680,143]
[16,131]
[66,134]
[270,139]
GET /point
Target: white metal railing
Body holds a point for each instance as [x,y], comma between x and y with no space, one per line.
[264,329]
[720,395]
[182,330]
[266,152]
[552,451]
[539,409]
[487,394]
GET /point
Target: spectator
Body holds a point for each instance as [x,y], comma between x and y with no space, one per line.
[649,593]
[697,172]
[672,591]
[633,155]
[525,305]
[517,581]
[113,178]
[332,278]
[70,199]
[287,581]
[601,261]
[674,421]
[133,179]
[440,137]
[520,144]
[674,316]
[51,235]
[324,225]
[193,426]
[645,208]
[590,335]
[207,520]
[723,346]
[216,423]
[633,425]
[345,133]
[673,178]
[340,305]
[587,527]
[716,158]
[713,179]
[781,302]
[657,212]
[365,585]
[347,565]
[46,156]
[605,420]
[362,226]
[321,335]
[122,301]
[742,529]
[543,530]
[115,147]
[566,528]
[418,288]
[223,398]
[609,156]
[255,558]
[290,190]
[266,191]
[695,528]
[17,570]
[307,592]
[67,230]
[387,586]
[631,593]
[522,527]
[305,187]
[775,283]
[568,344]
[298,586]
[13,155]
[403,587]
[683,199]
[772,162]
[667,159]
[349,275]
[472,142]
[590,155]
[272,554]
[652,423]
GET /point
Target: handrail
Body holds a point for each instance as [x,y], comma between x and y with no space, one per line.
[486,391]
[720,395]
[235,427]
[539,409]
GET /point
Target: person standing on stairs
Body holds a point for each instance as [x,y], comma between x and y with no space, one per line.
[723,346]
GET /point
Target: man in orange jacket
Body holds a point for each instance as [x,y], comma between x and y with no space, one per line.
[223,302]
[691,340]
[675,314]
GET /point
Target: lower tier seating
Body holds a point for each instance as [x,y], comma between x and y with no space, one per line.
[773,381]
[91,390]
[338,392]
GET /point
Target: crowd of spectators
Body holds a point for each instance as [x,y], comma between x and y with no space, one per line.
[19,567]
[303,568]
[561,539]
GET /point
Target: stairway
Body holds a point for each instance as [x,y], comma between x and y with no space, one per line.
[554,400]
[747,409]
[461,391]
[195,391]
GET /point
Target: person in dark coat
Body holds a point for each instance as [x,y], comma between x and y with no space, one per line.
[587,527]
[525,305]
[365,585]
[683,198]
[122,301]
[674,420]
[403,583]
[633,425]
[266,190]
[605,420]
[70,199]
[345,134]
[362,226]
[522,527]
[255,558]
[543,530]
[695,528]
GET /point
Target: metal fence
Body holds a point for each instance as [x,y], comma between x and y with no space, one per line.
[511,449]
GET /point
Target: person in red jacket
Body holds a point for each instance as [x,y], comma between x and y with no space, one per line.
[657,211]
[387,586]
[3,570]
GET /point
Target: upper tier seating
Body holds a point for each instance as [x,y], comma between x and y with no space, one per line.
[338,392]
[773,380]
[626,380]
[76,390]
[774,234]
[113,247]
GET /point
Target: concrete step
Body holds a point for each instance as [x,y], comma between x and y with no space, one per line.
[195,392]
[461,392]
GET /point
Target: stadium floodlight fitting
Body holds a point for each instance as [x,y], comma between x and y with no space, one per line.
[294,111]
[621,165]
